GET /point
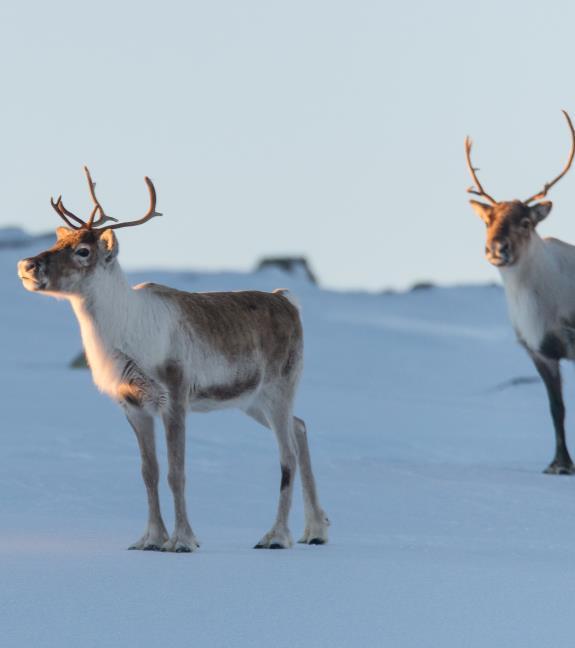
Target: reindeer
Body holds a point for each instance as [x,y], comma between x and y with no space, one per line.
[160,351]
[539,280]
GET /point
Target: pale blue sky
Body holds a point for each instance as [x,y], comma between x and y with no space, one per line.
[331,129]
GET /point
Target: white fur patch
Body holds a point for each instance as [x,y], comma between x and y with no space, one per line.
[540,289]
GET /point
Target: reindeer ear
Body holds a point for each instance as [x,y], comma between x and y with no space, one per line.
[109,243]
[62,232]
[483,210]
[540,211]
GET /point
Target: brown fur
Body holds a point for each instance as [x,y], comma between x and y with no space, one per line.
[509,222]
[172,375]
[136,388]
[242,324]
[286,478]
[231,390]
[510,226]
[131,394]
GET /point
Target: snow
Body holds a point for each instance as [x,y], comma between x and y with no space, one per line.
[445,532]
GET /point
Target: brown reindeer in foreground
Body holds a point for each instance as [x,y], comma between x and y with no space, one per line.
[160,351]
[539,279]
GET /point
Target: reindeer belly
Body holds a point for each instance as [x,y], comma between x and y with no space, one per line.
[232,392]
[224,386]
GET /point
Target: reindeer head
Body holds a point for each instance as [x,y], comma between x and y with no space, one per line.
[80,249]
[510,224]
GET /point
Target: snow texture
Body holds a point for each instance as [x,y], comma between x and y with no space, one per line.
[445,533]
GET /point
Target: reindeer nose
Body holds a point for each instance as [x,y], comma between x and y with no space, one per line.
[504,248]
[29,264]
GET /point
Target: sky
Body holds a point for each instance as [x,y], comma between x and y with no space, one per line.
[329,129]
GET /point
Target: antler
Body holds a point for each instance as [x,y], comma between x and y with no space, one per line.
[566,168]
[64,214]
[472,190]
[98,208]
[92,223]
[149,214]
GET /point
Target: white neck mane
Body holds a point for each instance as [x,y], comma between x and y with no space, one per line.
[539,289]
[104,312]
[117,321]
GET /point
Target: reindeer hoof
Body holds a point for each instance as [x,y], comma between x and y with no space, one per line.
[185,544]
[315,532]
[275,539]
[557,468]
[146,547]
[152,540]
[313,541]
[273,545]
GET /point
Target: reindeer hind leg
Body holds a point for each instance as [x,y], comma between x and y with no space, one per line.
[279,418]
[316,521]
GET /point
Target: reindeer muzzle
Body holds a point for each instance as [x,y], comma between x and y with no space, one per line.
[32,272]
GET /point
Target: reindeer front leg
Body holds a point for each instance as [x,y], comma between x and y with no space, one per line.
[550,372]
[183,539]
[143,425]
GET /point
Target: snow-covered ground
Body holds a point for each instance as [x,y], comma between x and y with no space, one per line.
[445,533]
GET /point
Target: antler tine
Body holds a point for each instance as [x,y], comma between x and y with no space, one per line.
[104,218]
[64,214]
[472,190]
[68,213]
[149,214]
[566,168]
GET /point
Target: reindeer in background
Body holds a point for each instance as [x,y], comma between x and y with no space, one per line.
[538,275]
[161,351]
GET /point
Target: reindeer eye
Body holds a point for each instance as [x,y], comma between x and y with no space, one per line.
[83,252]
[526,223]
